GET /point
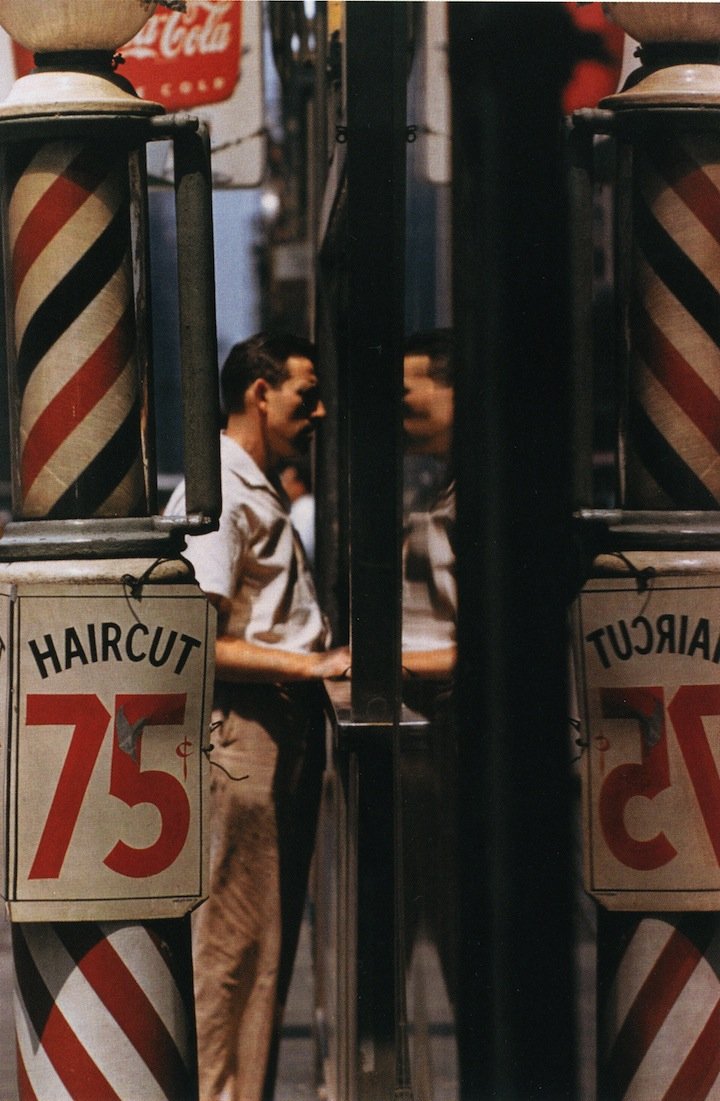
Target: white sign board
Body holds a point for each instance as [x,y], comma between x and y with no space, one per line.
[109,713]
[649,689]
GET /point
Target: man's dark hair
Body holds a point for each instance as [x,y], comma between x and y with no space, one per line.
[439,345]
[261,356]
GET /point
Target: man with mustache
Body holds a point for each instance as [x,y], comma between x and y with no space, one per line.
[270,658]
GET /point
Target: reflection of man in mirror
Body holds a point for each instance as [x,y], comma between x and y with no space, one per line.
[428,769]
[429,587]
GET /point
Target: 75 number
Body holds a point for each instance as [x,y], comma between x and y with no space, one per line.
[88,717]
[651,775]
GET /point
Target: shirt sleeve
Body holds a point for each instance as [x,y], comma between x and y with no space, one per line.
[217,557]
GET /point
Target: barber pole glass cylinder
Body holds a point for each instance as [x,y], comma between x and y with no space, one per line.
[80,400]
[104,1011]
[659,997]
[673,409]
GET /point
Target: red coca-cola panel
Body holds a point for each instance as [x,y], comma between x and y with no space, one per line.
[591,80]
[180,59]
[186,59]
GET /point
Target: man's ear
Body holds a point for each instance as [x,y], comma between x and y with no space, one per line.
[258,393]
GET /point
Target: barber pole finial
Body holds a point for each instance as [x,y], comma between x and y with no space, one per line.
[678,53]
[74,42]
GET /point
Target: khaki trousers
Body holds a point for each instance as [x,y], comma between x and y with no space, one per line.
[264,804]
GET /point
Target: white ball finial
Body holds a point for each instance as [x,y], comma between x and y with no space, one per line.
[45,26]
[667,22]
[74,27]
[679,53]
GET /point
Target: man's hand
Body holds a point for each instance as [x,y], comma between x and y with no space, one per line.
[333,664]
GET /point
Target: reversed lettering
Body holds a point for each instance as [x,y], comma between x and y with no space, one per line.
[643,636]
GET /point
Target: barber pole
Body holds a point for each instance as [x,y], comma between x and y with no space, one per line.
[105,691]
[88,1026]
[644,622]
[105,639]
[661,1008]
[71,270]
[673,433]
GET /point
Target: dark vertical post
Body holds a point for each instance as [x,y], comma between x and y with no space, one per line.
[376,72]
[376,136]
[515,1017]
[580,173]
[196,292]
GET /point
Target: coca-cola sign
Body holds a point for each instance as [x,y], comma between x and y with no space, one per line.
[181,59]
[184,59]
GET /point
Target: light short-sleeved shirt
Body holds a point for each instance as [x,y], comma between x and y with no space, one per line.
[429,602]
[255,560]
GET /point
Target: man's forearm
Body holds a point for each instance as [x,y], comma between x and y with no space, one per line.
[245,663]
[430,664]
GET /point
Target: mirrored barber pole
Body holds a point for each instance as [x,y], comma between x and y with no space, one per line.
[108,700]
[647,617]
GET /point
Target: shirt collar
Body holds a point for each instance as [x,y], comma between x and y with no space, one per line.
[240,462]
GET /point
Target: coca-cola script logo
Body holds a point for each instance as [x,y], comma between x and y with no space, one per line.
[180,59]
[185,59]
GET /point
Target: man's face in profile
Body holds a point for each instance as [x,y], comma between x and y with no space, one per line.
[294,410]
[428,409]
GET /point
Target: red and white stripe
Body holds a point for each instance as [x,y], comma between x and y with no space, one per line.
[674,443]
[661,1018]
[100,1015]
[77,391]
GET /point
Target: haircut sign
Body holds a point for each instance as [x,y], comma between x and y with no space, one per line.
[649,688]
[107,698]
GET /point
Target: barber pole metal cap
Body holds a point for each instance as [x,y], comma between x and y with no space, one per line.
[679,54]
[74,42]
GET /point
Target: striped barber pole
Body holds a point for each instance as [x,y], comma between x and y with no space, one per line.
[71,275]
[86,1029]
[659,974]
[660,1024]
[673,428]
